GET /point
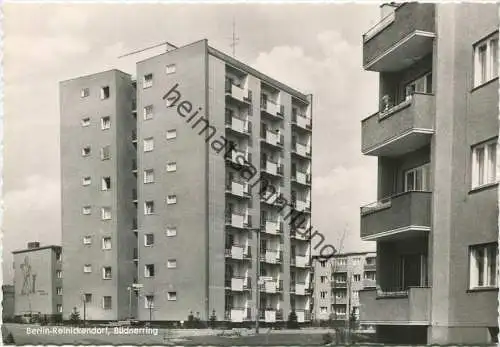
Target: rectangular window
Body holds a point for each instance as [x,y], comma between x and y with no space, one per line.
[147,82]
[104,93]
[106,183]
[323,295]
[106,273]
[149,176]
[59,291]
[106,213]
[87,240]
[86,151]
[171,263]
[84,92]
[323,279]
[370,275]
[171,199]
[149,301]
[149,207]
[322,263]
[418,179]
[106,242]
[422,84]
[86,210]
[172,166]
[85,121]
[341,261]
[105,153]
[171,134]
[357,278]
[170,69]
[149,239]
[171,296]
[148,112]
[148,144]
[149,270]
[484,158]
[171,231]
[105,123]
[483,266]
[106,302]
[340,310]
[86,181]
[88,298]
[59,308]
[486,60]
[59,274]
[87,268]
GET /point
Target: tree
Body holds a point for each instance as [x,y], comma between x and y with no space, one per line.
[213,319]
[74,316]
[292,321]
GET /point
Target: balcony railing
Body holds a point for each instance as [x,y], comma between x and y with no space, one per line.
[239,158]
[301,149]
[301,178]
[238,314]
[238,220]
[301,120]
[238,125]
[238,188]
[237,93]
[272,108]
[271,286]
[300,234]
[272,168]
[271,256]
[303,315]
[272,227]
[300,261]
[273,138]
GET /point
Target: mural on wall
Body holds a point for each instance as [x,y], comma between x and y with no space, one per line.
[29,278]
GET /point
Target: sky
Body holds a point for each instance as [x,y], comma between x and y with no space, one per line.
[315,48]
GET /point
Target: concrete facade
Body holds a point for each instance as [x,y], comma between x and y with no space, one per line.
[37,282]
[430,275]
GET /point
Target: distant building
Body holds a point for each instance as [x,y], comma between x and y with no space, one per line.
[337,282]
[7,301]
[38,280]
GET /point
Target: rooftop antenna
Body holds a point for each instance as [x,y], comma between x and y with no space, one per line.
[168,47]
[234,40]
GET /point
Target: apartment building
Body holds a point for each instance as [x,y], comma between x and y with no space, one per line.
[337,282]
[7,302]
[435,135]
[37,281]
[208,135]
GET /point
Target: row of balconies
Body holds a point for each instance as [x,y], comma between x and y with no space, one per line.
[268,256]
[268,285]
[268,315]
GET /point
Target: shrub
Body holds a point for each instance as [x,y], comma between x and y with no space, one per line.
[327,338]
[292,321]
[74,316]
[9,339]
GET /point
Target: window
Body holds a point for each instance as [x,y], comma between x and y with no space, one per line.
[59,308]
[86,210]
[483,266]
[171,231]
[171,199]
[171,134]
[171,263]
[149,301]
[370,261]
[59,274]
[340,294]
[86,151]
[356,261]
[106,273]
[106,302]
[84,92]
[149,239]
[340,310]
[323,279]
[486,60]
[370,275]
[149,207]
[418,178]
[357,278]
[170,69]
[341,261]
[87,268]
[323,295]
[105,153]
[323,309]
[149,270]
[322,263]
[106,242]
[85,121]
[422,84]
[147,82]
[106,183]
[105,123]
[172,166]
[104,93]
[149,144]
[87,297]
[355,294]
[87,240]
[59,291]
[484,160]
[340,278]
[171,296]
[148,112]
[106,213]
[86,181]
[149,176]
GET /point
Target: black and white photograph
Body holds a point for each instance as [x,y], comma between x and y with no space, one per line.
[250,173]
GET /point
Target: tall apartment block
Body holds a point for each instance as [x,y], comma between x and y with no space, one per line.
[187,220]
[337,282]
[435,135]
[37,288]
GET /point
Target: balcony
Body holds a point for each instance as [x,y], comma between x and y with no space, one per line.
[270,285]
[370,267]
[301,178]
[276,199]
[268,315]
[272,227]
[299,288]
[301,120]
[300,261]
[237,220]
[238,125]
[238,189]
[238,252]
[403,307]
[239,158]
[301,149]
[273,109]
[369,283]
[402,37]
[338,284]
[301,234]
[271,256]
[238,314]
[272,168]
[303,316]
[399,129]
[301,205]
[272,138]
[237,93]
[405,214]
[237,284]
